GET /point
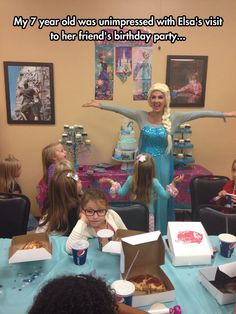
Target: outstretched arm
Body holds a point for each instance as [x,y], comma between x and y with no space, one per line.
[180,117]
[129,113]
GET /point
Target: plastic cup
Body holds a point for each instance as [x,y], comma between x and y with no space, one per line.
[124,291]
[104,236]
[227,243]
[79,251]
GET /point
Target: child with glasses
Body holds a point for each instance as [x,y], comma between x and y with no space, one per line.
[94,216]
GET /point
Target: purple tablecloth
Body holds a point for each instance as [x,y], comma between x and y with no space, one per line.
[90,178]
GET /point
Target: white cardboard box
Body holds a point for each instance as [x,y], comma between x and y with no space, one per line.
[18,255]
[209,274]
[188,243]
[151,255]
[114,246]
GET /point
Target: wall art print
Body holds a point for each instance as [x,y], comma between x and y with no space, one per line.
[123,62]
[104,74]
[29,92]
[142,74]
[186,78]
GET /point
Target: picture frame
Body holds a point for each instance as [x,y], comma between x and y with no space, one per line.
[29,90]
[186,78]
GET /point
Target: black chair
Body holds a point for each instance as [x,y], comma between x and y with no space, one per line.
[215,222]
[14,214]
[202,190]
[135,215]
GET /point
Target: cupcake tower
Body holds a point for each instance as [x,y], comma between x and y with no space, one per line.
[76,140]
[182,145]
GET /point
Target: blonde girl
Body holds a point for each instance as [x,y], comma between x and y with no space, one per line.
[51,154]
[10,170]
[63,204]
[144,187]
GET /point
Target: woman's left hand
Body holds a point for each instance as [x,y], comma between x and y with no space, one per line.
[231,114]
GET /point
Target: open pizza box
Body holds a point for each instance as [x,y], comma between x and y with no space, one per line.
[114,246]
[220,282]
[188,243]
[150,257]
[17,254]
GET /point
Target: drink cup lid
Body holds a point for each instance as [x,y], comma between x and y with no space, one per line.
[105,233]
[123,287]
[227,237]
[80,245]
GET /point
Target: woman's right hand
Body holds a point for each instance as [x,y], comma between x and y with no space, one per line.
[92,103]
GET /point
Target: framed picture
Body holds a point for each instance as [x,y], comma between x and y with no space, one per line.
[29,92]
[186,78]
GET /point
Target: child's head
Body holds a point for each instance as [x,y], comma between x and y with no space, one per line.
[144,172]
[75,294]
[62,196]
[145,55]
[193,78]
[94,205]
[64,164]
[10,169]
[233,169]
[52,153]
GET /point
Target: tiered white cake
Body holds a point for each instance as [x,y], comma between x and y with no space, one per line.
[127,144]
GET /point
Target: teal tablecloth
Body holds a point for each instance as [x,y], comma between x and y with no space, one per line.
[19,283]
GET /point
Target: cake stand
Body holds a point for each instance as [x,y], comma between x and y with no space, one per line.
[126,165]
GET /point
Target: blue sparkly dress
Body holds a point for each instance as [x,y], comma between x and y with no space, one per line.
[153,140]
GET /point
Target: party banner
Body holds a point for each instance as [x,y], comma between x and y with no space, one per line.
[123,62]
[142,75]
[104,74]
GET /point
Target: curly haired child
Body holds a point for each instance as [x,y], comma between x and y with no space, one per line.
[82,294]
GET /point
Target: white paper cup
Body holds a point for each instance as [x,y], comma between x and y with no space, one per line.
[104,236]
[124,291]
[227,243]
